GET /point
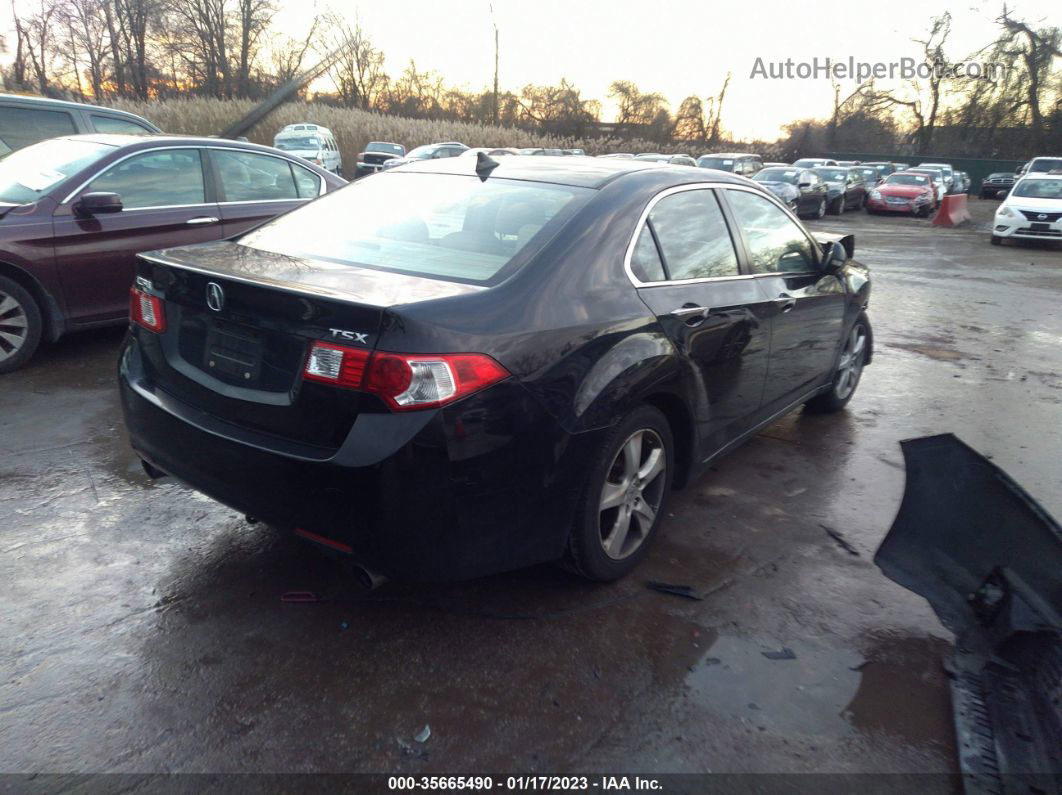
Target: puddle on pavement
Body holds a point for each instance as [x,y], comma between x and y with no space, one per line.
[896,686]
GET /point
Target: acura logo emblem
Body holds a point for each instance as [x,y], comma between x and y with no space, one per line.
[1041,217]
[215,296]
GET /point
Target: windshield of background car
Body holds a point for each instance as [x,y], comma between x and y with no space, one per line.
[1045,164]
[26,174]
[391,149]
[1038,188]
[908,179]
[719,163]
[298,143]
[422,153]
[869,174]
[778,175]
[931,173]
[442,226]
[832,174]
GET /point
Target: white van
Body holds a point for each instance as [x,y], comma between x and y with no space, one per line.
[311,142]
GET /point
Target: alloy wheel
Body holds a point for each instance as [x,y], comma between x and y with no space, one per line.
[631,496]
[14,326]
[822,209]
[851,365]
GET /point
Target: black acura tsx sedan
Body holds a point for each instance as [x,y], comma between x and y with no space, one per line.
[466,366]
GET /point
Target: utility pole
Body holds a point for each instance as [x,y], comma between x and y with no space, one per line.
[495,24]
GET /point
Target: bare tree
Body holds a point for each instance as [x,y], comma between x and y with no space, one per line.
[358,73]
[1036,49]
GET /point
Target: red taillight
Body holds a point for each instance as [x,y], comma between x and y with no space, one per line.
[146,310]
[336,364]
[404,381]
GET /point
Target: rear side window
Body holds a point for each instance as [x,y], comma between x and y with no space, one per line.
[307,183]
[645,261]
[693,236]
[249,177]
[443,226]
[109,124]
[172,177]
[21,127]
[776,243]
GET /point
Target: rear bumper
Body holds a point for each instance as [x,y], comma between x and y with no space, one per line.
[486,485]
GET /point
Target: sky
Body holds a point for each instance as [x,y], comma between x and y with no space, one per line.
[675,47]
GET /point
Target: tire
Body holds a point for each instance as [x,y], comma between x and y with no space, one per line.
[837,206]
[997,240]
[821,211]
[20,325]
[849,369]
[596,550]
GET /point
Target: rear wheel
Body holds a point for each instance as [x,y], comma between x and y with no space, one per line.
[849,369]
[624,497]
[20,325]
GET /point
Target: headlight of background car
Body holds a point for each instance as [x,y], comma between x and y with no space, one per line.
[875,194]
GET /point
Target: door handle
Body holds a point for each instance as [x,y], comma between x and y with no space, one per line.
[691,315]
[203,219]
[785,302]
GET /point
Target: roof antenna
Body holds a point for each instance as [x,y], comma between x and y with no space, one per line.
[484,165]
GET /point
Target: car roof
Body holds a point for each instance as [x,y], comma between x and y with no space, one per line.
[1041,175]
[729,154]
[47,102]
[155,141]
[587,172]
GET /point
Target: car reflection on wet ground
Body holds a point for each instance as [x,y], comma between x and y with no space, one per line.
[144,626]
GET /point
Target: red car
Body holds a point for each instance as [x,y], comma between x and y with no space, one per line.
[904,192]
[75,211]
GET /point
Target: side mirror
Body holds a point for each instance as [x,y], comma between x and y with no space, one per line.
[833,256]
[99,202]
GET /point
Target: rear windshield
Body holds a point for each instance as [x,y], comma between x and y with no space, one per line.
[29,173]
[441,226]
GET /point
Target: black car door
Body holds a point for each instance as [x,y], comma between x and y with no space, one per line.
[807,304]
[685,265]
[255,187]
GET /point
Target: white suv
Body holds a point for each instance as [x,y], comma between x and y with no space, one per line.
[1032,209]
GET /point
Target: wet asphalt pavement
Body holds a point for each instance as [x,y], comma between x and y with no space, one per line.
[143,627]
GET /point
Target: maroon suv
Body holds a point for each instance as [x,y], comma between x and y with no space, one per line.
[75,211]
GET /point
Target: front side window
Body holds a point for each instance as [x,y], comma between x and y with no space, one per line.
[693,236]
[776,243]
[443,226]
[249,177]
[110,124]
[166,178]
[21,127]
